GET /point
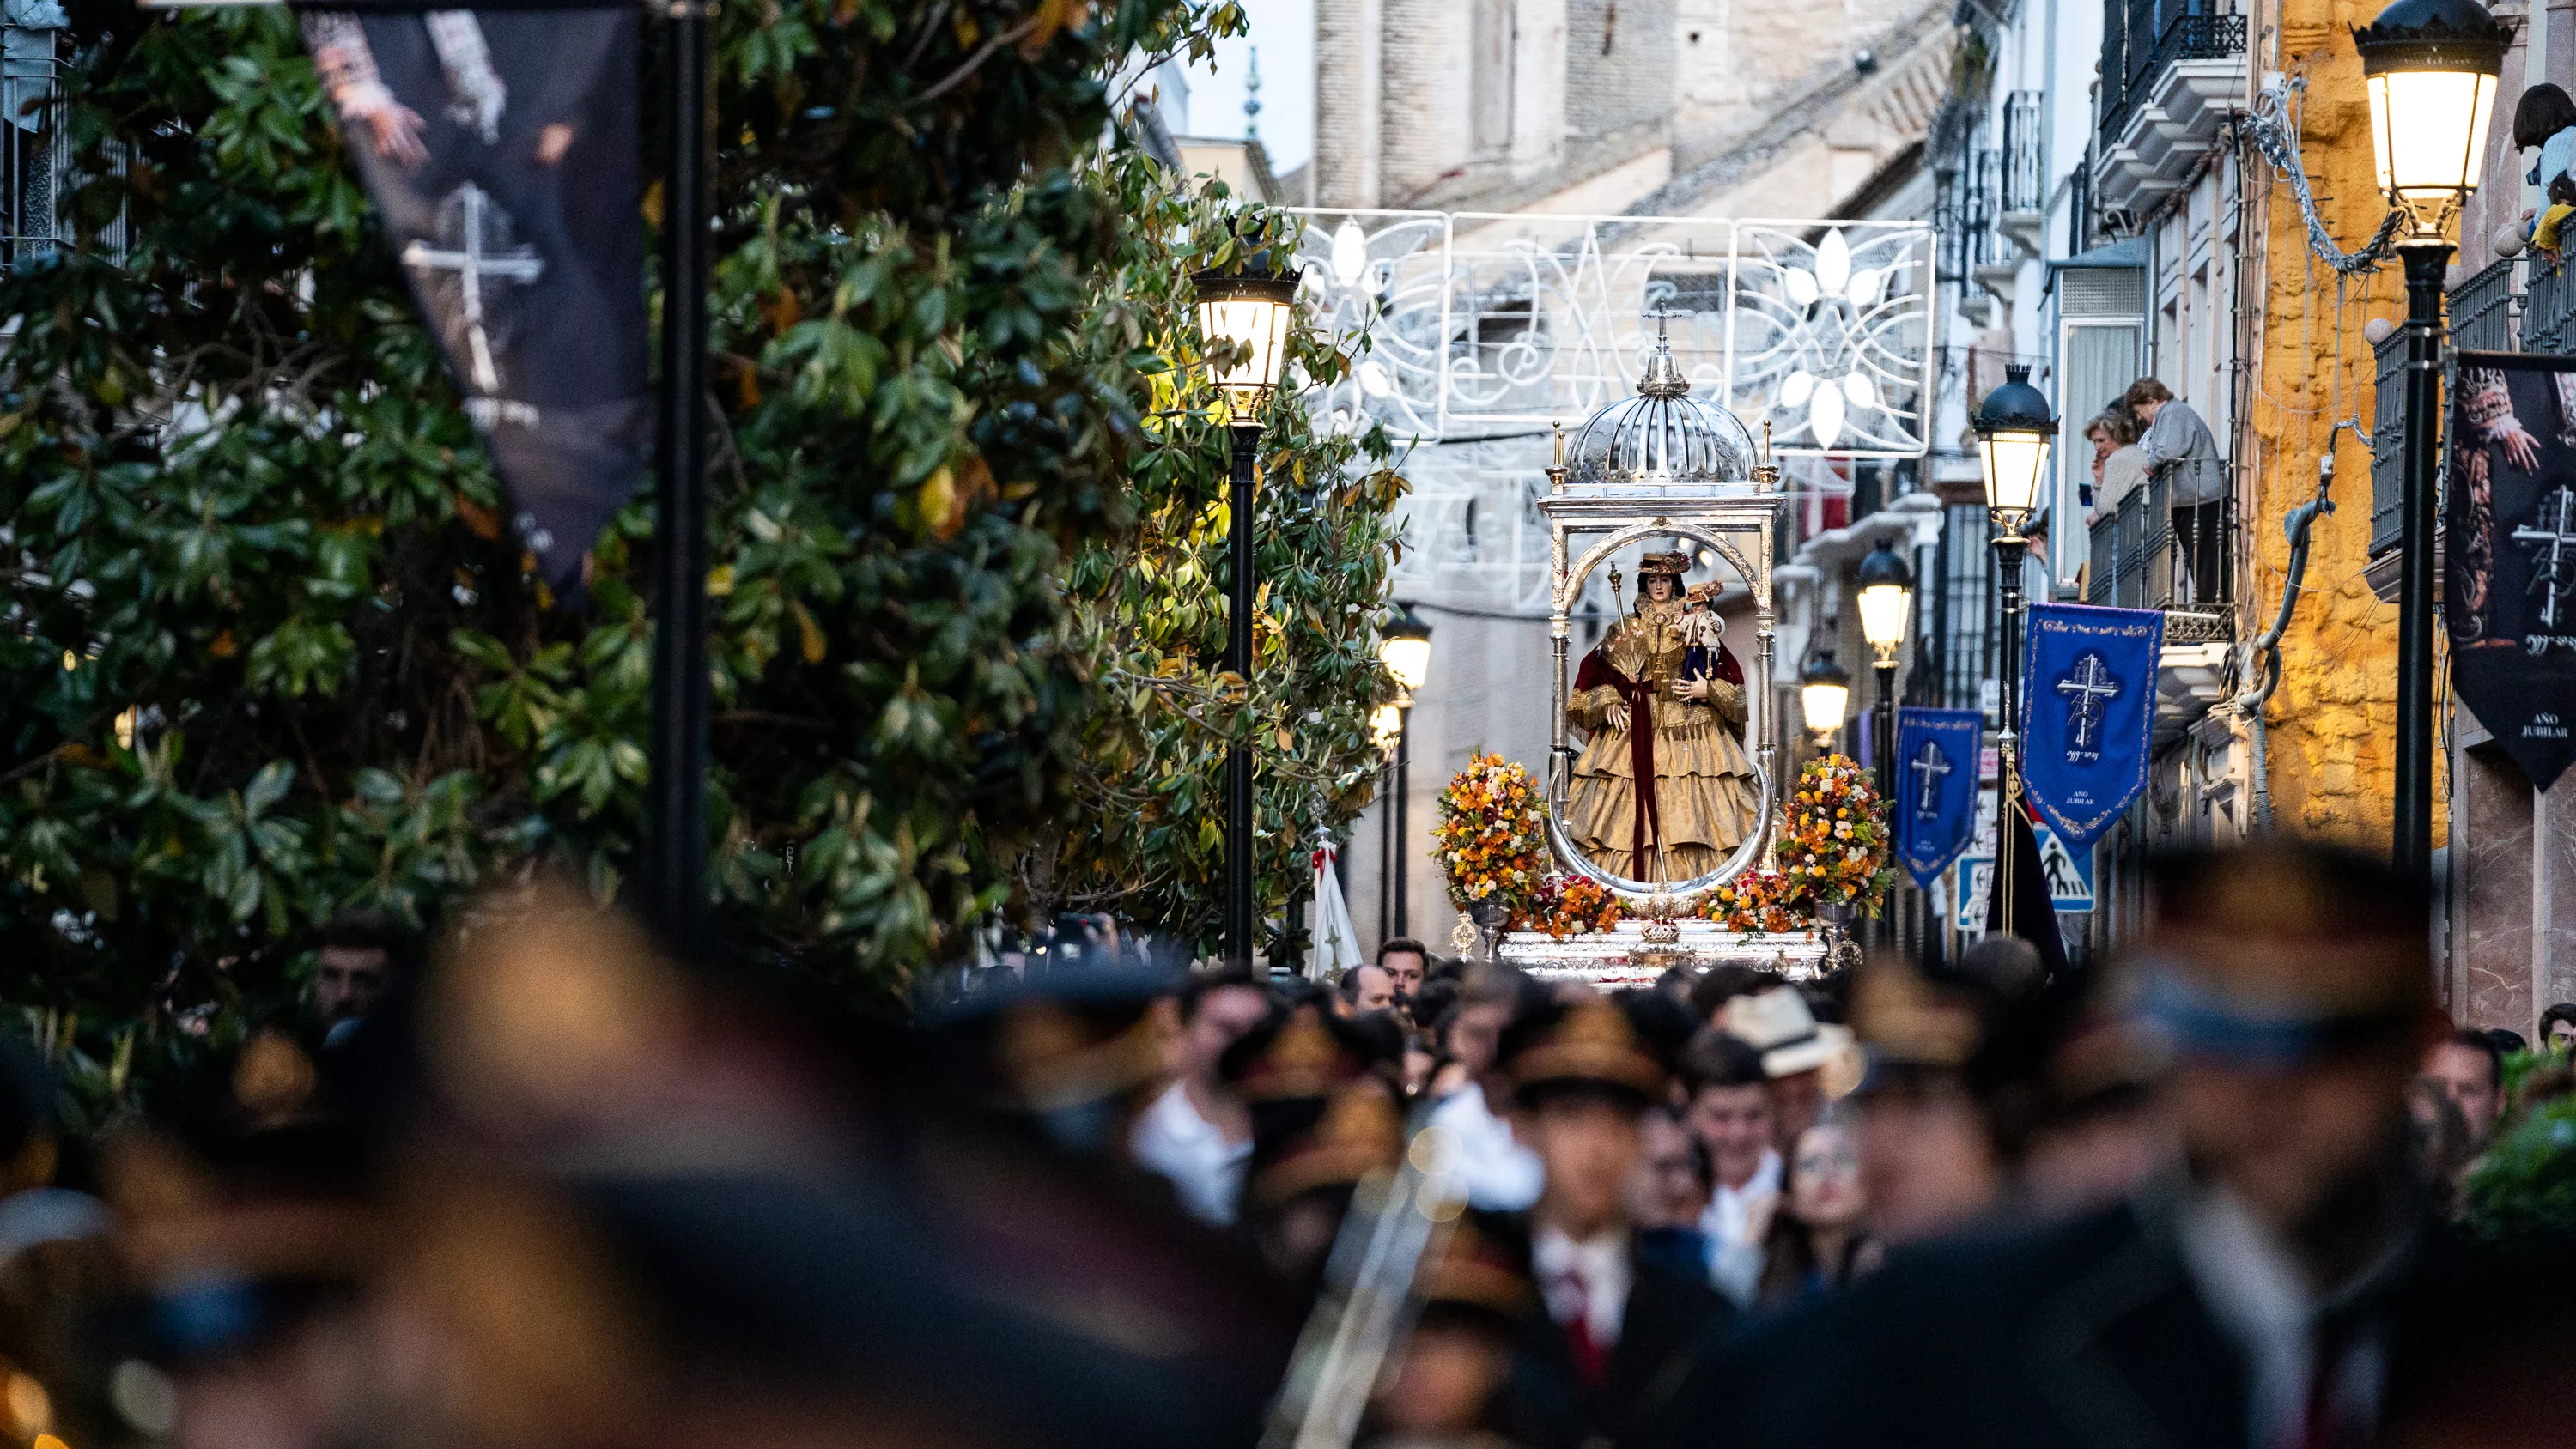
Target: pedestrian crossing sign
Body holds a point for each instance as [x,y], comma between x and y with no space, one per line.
[2069,874]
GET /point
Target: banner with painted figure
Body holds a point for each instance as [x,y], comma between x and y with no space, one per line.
[500,149]
[1937,753]
[2510,596]
[2089,706]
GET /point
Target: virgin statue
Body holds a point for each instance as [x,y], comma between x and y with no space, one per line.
[1661,701]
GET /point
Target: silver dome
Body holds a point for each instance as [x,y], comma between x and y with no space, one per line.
[1663,436]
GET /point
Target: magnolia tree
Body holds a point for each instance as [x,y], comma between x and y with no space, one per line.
[273,658]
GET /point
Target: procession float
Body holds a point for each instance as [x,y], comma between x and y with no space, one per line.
[1659,832]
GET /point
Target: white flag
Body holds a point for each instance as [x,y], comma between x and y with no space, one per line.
[1333,943]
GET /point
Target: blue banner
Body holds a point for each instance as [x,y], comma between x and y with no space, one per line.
[2089,697]
[1935,809]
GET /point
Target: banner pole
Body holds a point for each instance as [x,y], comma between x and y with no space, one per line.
[675,825]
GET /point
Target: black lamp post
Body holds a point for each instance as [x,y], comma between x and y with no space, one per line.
[1404,647]
[2431,68]
[1886,589]
[2015,430]
[674,872]
[1243,332]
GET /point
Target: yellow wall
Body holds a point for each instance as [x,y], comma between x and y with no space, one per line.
[2333,719]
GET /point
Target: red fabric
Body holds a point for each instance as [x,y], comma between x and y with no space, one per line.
[1591,1360]
[1639,695]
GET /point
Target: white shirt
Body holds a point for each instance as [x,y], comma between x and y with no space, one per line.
[1734,1253]
[1171,1138]
[1587,1280]
[1494,1170]
[2261,1299]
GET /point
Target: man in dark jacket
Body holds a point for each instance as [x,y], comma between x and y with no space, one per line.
[2287,1289]
[1610,1361]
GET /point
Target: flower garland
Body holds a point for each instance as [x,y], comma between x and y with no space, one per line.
[1569,905]
[1833,846]
[1490,840]
[1756,901]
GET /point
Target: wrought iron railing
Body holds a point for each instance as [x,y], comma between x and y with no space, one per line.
[2481,310]
[35,155]
[2549,307]
[2025,170]
[2140,38]
[2138,563]
[2387,425]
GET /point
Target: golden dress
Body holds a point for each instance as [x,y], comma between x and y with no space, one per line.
[1705,799]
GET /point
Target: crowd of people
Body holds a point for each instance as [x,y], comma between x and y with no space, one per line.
[551,1189]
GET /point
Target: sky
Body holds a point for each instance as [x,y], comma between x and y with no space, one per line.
[1284,33]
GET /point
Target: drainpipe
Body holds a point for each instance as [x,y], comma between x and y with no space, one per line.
[2263,656]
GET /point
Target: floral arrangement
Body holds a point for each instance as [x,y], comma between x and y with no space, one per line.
[1490,840]
[1833,845]
[1756,901]
[1569,905]
[1832,850]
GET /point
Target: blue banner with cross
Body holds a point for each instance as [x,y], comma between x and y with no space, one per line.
[2089,705]
[1935,806]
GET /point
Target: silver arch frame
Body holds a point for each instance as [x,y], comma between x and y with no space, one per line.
[1708,523]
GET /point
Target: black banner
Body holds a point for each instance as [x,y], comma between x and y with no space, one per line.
[500,149]
[2509,598]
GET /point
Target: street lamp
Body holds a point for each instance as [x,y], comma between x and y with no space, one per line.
[1886,605]
[1824,694]
[2430,66]
[1404,647]
[1244,320]
[2014,432]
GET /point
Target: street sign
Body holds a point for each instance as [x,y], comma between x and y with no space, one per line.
[1975,875]
[2069,873]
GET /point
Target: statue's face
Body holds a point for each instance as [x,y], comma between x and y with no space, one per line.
[1661,587]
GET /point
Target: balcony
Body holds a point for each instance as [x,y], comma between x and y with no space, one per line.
[2549,308]
[2136,565]
[2172,73]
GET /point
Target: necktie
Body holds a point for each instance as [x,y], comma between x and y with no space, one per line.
[1591,1360]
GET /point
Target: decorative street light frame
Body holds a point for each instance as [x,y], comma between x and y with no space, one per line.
[1404,647]
[1245,320]
[2015,430]
[1884,588]
[2430,67]
[1824,697]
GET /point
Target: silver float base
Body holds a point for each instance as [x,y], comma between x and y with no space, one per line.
[1610,960]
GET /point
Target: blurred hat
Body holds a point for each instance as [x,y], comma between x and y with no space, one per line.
[2270,954]
[1588,1043]
[1673,563]
[1482,1264]
[1778,1024]
[1301,1053]
[1905,1019]
[1358,1132]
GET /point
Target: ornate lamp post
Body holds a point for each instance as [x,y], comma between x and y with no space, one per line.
[2014,432]
[1244,319]
[2431,69]
[1824,696]
[1404,647]
[1886,606]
